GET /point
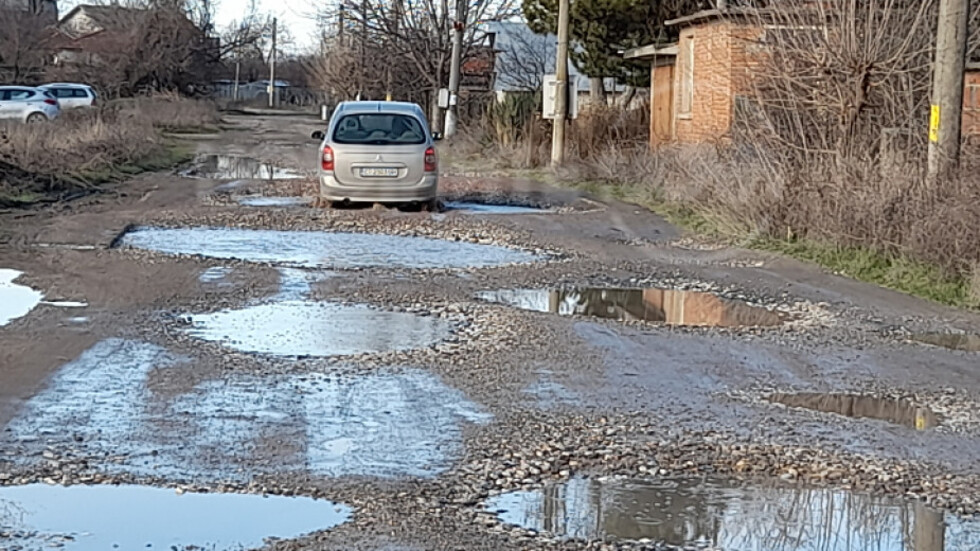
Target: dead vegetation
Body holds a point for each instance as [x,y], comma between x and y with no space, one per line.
[826,158]
[86,147]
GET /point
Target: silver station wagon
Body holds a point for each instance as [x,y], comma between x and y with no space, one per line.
[378,152]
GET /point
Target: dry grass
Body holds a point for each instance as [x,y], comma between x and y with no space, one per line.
[85,147]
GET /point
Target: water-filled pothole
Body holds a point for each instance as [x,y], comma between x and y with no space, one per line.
[138,517]
[271,201]
[728,516]
[653,305]
[475,207]
[953,341]
[233,167]
[893,410]
[15,300]
[313,249]
[114,405]
[305,328]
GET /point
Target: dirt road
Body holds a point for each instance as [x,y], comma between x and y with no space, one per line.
[423,370]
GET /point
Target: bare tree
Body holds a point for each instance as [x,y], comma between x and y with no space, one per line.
[523,57]
[22,42]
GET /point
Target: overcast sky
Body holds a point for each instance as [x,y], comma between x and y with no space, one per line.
[296,15]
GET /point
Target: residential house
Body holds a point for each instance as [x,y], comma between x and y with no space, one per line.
[697,82]
[522,58]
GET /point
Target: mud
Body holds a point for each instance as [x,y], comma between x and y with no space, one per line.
[727,515]
[667,306]
[892,410]
[322,249]
[133,517]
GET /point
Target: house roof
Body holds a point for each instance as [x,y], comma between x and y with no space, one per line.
[106,17]
[651,51]
[973,66]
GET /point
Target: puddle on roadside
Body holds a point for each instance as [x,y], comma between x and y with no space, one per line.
[892,410]
[312,249]
[140,517]
[16,301]
[732,517]
[474,207]
[102,406]
[214,274]
[304,328]
[953,341]
[233,167]
[269,201]
[653,305]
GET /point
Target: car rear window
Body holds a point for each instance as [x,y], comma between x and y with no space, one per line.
[379,129]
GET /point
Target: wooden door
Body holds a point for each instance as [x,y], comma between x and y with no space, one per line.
[662,105]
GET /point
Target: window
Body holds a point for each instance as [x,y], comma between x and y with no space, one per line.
[686,85]
[379,129]
[18,94]
[78,93]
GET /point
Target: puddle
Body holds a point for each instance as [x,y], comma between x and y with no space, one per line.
[311,249]
[388,423]
[727,516]
[652,305]
[65,304]
[892,410]
[138,517]
[232,167]
[302,328]
[964,342]
[486,208]
[268,201]
[15,300]
[215,274]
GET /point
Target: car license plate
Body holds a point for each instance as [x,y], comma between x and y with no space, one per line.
[379,172]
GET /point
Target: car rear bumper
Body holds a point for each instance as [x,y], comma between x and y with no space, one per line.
[423,190]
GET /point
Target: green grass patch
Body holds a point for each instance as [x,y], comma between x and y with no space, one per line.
[171,155]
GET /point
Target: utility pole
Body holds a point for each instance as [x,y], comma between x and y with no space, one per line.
[561,87]
[455,67]
[946,117]
[272,66]
[361,76]
[340,24]
[393,34]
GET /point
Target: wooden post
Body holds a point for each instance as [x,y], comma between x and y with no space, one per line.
[946,116]
[561,87]
[455,68]
[272,66]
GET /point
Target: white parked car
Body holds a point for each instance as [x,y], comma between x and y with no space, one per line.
[26,104]
[72,96]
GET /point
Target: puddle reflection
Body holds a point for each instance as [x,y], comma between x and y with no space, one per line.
[231,167]
[731,517]
[653,305]
[137,517]
[892,410]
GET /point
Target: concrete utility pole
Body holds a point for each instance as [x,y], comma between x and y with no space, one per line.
[946,118]
[340,24]
[362,78]
[561,87]
[455,67]
[272,66]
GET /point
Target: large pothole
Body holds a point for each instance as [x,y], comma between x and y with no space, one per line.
[136,517]
[671,307]
[954,341]
[306,328]
[313,249]
[233,167]
[730,516]
[125,407]
[893,410]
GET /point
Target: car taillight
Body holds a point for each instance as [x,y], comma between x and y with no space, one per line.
[431,162]
[327,161]
[51,102]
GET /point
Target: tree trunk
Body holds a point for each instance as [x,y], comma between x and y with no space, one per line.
[435,114]
[628,94]
[597,91]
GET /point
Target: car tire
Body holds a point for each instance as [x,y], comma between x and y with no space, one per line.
[432,205]
[35,118]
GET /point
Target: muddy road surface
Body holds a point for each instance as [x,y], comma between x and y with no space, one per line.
[528,369]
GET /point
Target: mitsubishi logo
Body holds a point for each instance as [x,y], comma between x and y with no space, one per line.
[378,158]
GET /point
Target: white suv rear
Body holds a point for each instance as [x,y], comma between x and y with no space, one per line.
[27,104]
[72,96]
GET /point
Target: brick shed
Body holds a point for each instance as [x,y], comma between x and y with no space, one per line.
[694,83]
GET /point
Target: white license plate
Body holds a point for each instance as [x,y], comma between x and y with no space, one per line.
[379,172]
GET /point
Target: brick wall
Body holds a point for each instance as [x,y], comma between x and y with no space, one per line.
[711,106]
[971,104]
